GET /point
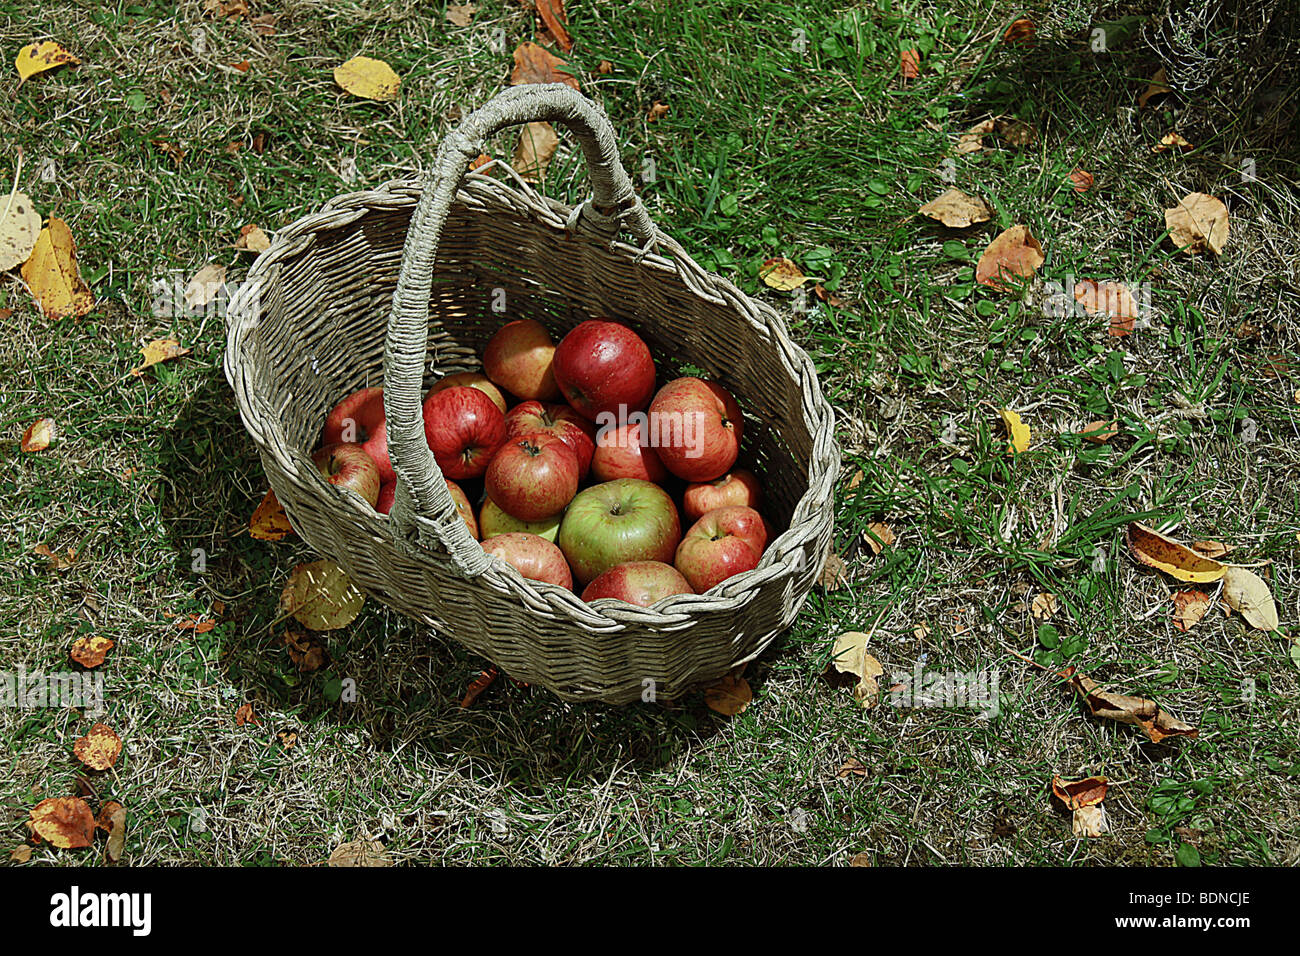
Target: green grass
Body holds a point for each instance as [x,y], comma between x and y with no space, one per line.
[789,133]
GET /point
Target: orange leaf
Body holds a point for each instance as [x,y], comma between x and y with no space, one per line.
[1080,793]
[728,696]
[478,685]
[1155,723]
[1189,608]
[1014,252]
[1111,299]
[51,273]
[1157,86]
[66,822]
[245,715]
[39,434]
[553,16]
[58,562]
[1080,180]
[1020,32]
[269,522]
[534,64]
[1177,560]
[909,64]
[90,651]
[193,622]
[99,749]
[1100,432]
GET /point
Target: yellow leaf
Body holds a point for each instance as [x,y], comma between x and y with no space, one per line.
[957,210]
[39,434]
[269,522]
[99,749]
[368,78]
[728,696]
[1198,222]
[51,273]
[320,595]
[159,350]
[1249,594]
[19,228]
[537,143]
[1017,432]
[1177,560]
[39,57]
[782,274]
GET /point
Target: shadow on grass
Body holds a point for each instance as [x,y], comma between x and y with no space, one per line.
[408,680]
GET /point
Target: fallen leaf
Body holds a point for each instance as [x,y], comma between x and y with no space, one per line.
[1043,606]
[1247,592]
[264,25]
[99,749]
[782,274]
[850,656]
[832,575]
[288,739]
[1110,299]
[19,229]
[306,653]
[657,111]
[321,597]
[1198,222]
[90,651]
[537,143]
[205,285]
[159,350]
[38,435]
[1211,549]
[1014,131]
[269,522]
[479,684]
[1154,550]
[170,150]
[360,853]
[245,715]
[972,140]
[1189,608]
[1080,180]
[51,273]
[830,298]
[56,561]
[481,160]
[1018,434]
[38,57]
[851,768]
[728,696]
[192,622]
[252,239]
[243,66]
[1021,32]
[957,210]
[921,631]
[909,64]
[368,78]
[861,859]
[1155,723]
[553,17]
[1090,821]
[460,14]
[879,536]
[66,822]
[1171,141]
[605,67]
[535,64]
[1158,85]
[21,853]
[1080,793]
[112,817]
[1014,252]
[1100,432]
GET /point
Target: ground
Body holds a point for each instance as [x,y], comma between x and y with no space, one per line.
[789,133]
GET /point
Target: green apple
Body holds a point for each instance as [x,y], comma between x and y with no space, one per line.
[623,520]
[493,521]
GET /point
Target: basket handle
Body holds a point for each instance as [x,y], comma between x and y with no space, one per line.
[423,507]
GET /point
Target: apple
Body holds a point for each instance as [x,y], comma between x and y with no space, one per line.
[346,465]
[616,522]
[602,366]
[638,582]
[531,556]
[740,486]
[493,520]
[360,418]
[723,542]
[533,477]
[696,428]
[470,380]
[388,492]
[622,452]
[534,417]
[464,429]
[520,357]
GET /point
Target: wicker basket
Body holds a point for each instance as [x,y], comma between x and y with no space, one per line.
[308,326]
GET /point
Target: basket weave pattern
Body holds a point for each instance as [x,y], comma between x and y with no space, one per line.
[322,314]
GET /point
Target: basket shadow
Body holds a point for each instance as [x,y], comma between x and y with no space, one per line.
[391,681]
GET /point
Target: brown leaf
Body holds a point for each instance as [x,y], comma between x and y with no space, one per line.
[1171,141]
[21,853]
[605,67]
[369,853]
[909,64]
[861,859]
[657,110]
[264,25]
[306,653]
[553,17]
[90,651]
[537,144]
[288,739]
[1079,793]
[269,522]
[832,575]
[99,749]
[830,298]
[1165,554]
[879,536]
[192,622]
[113,819]
[1080,180]
[957,210]
[1014,131]
[1090,821]
[851,768]
[1198,222]
[1101,431]
[1211,549]
[1110,299]
[1189,608]
[460,14]
[66,822]
[535,64]
[252,239]
[728,696]
[1155,723]
[1014,252]
[1043,606]
[1021,32]
[57,562]
[850,656]
[245,715]
[1158,86]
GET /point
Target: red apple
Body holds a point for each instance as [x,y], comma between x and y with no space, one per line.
[493,520]
[638,582]
[346,465]
[724,542]
[470,380]
[387,495]
[360,418]
[616,522]
[531,556]
[740,486]
[529,418]
[519,358]
[388,492]
[695,426]
[622,452]
[464,429]
[533,477]
[602,366]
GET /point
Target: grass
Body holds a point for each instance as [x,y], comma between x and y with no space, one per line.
[789,133]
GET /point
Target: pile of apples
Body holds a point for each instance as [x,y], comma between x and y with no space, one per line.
[575,485]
